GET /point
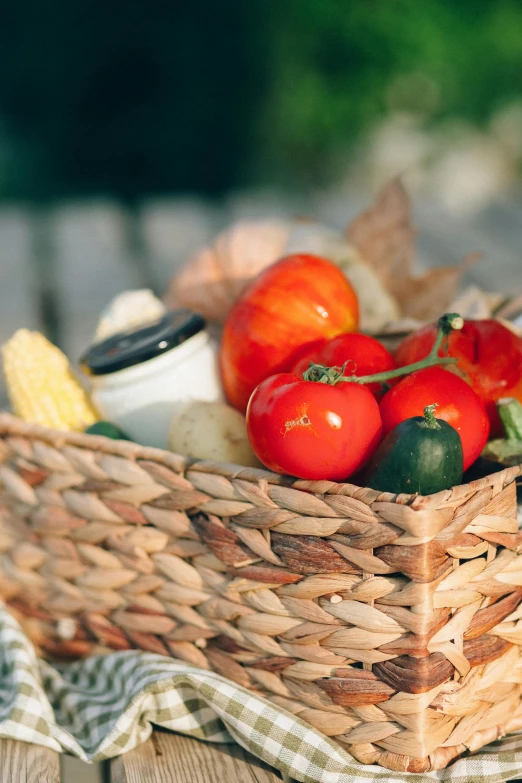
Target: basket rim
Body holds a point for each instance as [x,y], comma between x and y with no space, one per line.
[11,425]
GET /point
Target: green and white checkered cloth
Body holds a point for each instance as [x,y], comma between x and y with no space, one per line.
[105,706]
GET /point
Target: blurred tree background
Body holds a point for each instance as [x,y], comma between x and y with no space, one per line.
[128,98]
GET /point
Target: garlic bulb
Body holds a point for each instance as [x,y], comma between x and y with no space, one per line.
[128,310]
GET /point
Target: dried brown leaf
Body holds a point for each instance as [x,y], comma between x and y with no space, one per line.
[385,237]
[427,297]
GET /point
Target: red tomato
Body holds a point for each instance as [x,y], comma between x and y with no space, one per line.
[313,430]
[456,402]
[489,358]
[364,356]
[307,354]
[297,300]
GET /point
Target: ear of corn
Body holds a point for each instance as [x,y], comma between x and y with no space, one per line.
[41,385]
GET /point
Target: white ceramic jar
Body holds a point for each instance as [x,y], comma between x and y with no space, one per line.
[140,379]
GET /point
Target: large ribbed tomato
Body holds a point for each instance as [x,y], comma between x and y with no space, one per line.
[313,430]
[299,299]
[489,357]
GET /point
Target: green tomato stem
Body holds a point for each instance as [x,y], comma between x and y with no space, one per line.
[332,375]
[379,377]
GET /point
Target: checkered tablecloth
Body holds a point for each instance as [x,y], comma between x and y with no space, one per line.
[104,706]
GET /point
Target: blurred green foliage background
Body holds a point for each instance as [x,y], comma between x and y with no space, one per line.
[127,98]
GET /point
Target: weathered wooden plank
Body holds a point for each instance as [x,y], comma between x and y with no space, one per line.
[262,204]
[335,208]
[73,770]
[24,763]
[446,238]
[500,226]
[172,230]
[92,265]
[19,300]
[177,759]
[18,278]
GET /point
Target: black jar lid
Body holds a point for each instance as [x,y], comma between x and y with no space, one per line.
[126,349]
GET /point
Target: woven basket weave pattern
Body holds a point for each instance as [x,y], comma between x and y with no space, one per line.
[389,622]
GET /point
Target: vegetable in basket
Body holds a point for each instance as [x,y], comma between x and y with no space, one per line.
[299,299]
[212,280]
[41,385]
[422,454]
[107,429]
[322,426]
[313,430]
[129,310]
[457,404]
[213,431]
[489,358]
[359,354]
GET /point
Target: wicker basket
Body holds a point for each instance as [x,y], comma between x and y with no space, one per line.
[389,622]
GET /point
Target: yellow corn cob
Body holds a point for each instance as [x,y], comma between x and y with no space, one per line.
[41,385]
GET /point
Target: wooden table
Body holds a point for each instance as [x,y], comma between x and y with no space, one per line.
[165,758]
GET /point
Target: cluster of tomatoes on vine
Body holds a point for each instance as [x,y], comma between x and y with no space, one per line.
[320,396]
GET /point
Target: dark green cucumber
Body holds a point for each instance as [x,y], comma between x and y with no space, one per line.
[420,455]
[108,429]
